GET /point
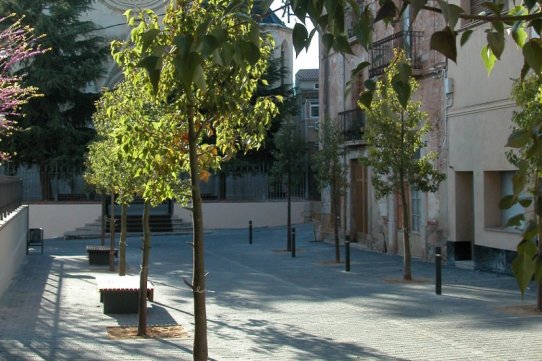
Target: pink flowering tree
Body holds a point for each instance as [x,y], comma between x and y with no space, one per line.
[18,43]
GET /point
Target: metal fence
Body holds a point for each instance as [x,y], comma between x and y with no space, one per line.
[244,183]
[11,195]
[249,183]
[55,182]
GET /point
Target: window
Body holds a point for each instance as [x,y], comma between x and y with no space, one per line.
[415,209]
[314,109]
[316,86]
[475,7]
[496,186]
[507,188]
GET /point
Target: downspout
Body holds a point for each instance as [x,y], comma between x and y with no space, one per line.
[348,190]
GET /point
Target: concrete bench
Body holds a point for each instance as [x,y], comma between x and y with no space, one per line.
[120,294]
[99,255]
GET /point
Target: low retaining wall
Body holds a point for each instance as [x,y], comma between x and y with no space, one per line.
[12,245]
[58,218]
[218,215]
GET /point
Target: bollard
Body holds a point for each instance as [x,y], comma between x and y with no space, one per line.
[347,253]
[250,232]
[438,271]
[293,242]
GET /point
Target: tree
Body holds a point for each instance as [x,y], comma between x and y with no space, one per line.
[18,43]
[57,124]
[526,155]
[270,85]
[204,60]
[139,148]
[329,172]
[395,138]
[101,164]
[290,160]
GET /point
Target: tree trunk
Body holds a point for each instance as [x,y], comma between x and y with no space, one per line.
[336,218]
[122,241]
[144,274]
[45,182]
[102,230]
[407,269]
[289,212]
[200,351]
[112,233]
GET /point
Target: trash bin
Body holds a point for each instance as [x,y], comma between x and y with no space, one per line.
[34,239]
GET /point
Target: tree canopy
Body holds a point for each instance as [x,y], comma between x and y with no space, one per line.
[56,126]
[525,153]
[18,43]
[523,21]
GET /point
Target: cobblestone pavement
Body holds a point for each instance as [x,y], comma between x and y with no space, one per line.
[265,305]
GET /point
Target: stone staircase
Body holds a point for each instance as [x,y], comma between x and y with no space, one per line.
[159,224]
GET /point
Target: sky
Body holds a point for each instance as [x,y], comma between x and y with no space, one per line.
[305,60]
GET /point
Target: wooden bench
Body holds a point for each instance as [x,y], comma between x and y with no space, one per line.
[120,294]
[99,255]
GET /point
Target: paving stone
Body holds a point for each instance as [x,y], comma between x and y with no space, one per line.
[262,304]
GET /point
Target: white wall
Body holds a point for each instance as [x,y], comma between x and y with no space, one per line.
[57,218]
[237,215]
[12,245]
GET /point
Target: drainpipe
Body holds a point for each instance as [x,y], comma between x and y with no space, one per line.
[348,190]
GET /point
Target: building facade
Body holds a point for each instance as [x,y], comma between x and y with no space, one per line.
[479,175]
[377,223]
[470,115]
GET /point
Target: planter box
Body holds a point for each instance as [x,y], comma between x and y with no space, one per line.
[99,255]
[120,294]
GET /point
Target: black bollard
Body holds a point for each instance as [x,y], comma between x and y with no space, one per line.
[293,242]
[250,232]
[438,271]
[347,254]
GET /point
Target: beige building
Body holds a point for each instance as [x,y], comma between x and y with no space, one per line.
[377,224]
[470,114]
[479,175]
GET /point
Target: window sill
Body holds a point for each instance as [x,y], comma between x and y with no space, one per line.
[510,230]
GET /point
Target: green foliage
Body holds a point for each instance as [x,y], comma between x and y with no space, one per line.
[210,69]
[56,126]
[395,135]
[522,19]
[290,153]
[203,60]
[327,161]
[526,154]
[136,152]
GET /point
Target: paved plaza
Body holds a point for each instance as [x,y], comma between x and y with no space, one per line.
[262,304]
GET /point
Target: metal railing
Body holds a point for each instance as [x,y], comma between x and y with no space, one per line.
[382,51]
[352,123]
[246,183]
[11,195]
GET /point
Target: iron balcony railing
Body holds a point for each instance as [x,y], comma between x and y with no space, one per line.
[352,123]
[382,51]
[11,195]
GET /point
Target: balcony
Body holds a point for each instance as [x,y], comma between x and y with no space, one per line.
[382,51]
[352,123]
